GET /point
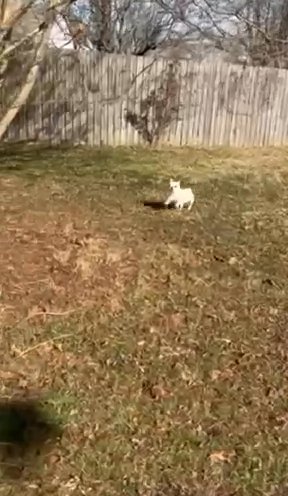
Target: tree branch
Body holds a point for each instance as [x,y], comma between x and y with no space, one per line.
[23,40]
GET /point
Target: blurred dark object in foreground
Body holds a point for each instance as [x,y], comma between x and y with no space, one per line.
[26,434]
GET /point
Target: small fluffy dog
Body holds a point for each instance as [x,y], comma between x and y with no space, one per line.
[180,196]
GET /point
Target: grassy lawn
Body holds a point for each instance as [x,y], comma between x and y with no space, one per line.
[153,341]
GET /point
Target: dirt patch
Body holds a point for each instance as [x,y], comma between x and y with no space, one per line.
[54,261]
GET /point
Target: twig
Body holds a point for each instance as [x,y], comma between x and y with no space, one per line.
[52,314]
[43,343]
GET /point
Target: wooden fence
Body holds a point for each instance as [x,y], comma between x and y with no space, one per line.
[126,100]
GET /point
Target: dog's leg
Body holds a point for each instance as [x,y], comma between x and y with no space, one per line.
[168,201]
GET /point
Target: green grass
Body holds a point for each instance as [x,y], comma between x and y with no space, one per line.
[168,372]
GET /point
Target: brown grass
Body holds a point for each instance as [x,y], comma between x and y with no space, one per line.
[155,340]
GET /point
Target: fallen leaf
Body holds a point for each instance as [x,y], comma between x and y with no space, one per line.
[62,256]
[68,229]
[155,391]
[215,374]
[232,260]
[221,456]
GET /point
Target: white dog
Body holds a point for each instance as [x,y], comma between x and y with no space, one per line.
[180,196]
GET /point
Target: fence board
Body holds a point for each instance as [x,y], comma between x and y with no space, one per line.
[283,123]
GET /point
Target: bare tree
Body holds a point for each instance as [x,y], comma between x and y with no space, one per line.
[264,31]
[252,30]
[257,29]
[138,26]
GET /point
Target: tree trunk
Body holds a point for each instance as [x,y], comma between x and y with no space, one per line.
[23,96]
[45,29]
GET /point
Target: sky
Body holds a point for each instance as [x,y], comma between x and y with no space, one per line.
[82,8]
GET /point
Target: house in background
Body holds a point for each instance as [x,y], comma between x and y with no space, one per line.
[67,33]
[200,51]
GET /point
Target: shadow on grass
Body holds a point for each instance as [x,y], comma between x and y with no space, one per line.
[26,433]
[37,152]
[25,152]
[157,205]
[64,160]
